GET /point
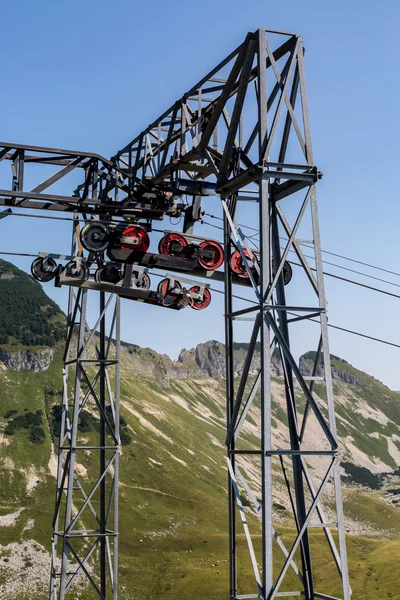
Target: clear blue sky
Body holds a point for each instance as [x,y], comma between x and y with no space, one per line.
[91,74]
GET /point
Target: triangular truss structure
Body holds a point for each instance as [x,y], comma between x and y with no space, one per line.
[239,139]
[243,133]
[84,545]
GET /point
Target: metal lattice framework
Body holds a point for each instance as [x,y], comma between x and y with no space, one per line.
[241,134]
[247,123]
[85,538]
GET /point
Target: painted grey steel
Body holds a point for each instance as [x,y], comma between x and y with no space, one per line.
[210,143]
[85,538]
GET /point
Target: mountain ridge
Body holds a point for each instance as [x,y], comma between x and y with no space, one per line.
[173,492]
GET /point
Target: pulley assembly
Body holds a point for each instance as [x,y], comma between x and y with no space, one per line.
[119,259]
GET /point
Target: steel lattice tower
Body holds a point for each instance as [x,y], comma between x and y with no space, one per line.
[85,538]
[239,140]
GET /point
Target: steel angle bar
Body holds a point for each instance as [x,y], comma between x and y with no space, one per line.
[6,213]
[71,323]
[285,308]
[208,77]
[73,443]
[243,179]
[243,379]
[110,394]
[89,497]
[280,52]
[243,311]
[97,400]
[239,245]
[89,392]
[90,505]
[230,389]
[270,102]
[237,109]
[314,372]
[322,518]
[88,575]
[257,506]
[280,452]
[304,317]
[277,31]
[300,534]
[247,247]
[117,313]
[286,99]
[328,381]
[227,120]
[246,529]
[321,420]
[60,489]
[225,94]
[267,143]
[57,176]
[83,562]
[247,406]
[304,105]
[287,248]
[264,206]
[109,562]
[250,399]
[298,250]
[111,331]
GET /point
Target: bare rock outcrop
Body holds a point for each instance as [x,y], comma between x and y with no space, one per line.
[27,360]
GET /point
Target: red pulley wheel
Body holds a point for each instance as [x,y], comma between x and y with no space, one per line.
[238,266]
[140,239]
[169,243]
[213,263]
[202,303]
[165,286]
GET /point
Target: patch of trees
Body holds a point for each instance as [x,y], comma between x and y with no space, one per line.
[29,421]
[26,313]
[88,422]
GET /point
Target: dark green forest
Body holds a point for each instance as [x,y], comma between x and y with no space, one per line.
[27,315]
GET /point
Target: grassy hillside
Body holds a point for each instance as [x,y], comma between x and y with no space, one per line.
[173,494]
[173,499]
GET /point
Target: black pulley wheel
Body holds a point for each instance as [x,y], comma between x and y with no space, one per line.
[287,273]
[42,271]
[109,273]
[81,271]
[95,237]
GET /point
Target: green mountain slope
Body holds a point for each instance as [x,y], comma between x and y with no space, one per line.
[173,477]
[27,315]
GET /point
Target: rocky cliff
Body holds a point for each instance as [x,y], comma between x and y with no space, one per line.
[340,368]
[209,358]
[27,360]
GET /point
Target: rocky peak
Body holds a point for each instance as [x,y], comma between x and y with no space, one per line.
[341,370]
[210,359]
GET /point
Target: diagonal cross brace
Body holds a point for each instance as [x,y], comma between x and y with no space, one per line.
[243,380]
[257,506]
[246,528]
[299,536]
[303,385]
